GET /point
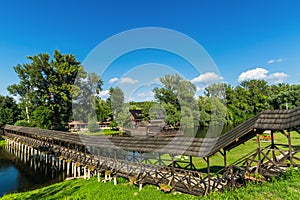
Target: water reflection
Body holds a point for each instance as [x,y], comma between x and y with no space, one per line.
[20,172]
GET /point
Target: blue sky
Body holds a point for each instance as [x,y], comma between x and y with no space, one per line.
[245,39]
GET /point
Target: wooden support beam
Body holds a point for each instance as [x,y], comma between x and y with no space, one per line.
[258,168]
[159,158]
[225,159]
[273,146]
[141,156]
[208,176]
[98,176]
[115,180]
[290,147]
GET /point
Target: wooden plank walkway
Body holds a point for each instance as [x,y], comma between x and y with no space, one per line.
[99,154]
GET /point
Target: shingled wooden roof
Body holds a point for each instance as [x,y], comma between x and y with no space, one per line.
[200,147]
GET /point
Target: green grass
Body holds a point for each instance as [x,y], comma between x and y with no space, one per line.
[217,161]
[106,132]
[284,187]
[2,141]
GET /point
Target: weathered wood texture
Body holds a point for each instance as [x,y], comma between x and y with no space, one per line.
[125,156]
[200,147]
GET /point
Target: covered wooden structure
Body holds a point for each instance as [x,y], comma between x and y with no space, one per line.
[141,158]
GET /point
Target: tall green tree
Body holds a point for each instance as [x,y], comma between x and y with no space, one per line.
[120,109]
[258,92]
[9,112]
[284,96]
[103,110]
[47,82]
[41,118]
[85,99]
[177,96]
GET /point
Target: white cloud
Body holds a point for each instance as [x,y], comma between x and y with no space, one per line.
[258,73]
[278,77]
[127,80]
[104,93]
[113,80]
[146,94]
[207,78]
[261,73]
[275,61]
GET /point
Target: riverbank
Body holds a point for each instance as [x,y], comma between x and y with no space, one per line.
[285,187]
[2,141]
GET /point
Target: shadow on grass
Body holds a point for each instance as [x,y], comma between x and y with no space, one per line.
[213,169]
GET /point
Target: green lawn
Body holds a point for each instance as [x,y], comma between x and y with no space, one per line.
[285,187]
[2,141]
[217,161]
[106,132]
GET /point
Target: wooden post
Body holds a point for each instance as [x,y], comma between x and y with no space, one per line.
[63,165]
[290,147]
[68,168]
[173,162]
[74,169]
[208,174]
[115,180]
[258,169]
[273,146]
[207,190]
[159,158]
[225,160]
[78,171]
[98,174]
[141,156]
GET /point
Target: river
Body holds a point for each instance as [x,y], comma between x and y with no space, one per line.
[17,176]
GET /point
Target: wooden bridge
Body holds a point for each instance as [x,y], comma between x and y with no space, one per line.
[154,160]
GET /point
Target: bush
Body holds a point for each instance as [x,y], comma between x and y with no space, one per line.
[22,123]
[93,126]
[113,124]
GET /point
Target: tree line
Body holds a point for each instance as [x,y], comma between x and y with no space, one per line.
[47,85]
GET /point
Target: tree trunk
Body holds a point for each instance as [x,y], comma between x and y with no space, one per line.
[26,109]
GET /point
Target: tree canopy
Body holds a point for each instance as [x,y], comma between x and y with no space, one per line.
[9,112]
[55,90]
[46,87]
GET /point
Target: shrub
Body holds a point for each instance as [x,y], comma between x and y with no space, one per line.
[22,123]
[93,126]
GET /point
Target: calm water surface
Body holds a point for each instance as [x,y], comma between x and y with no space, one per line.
[16,176]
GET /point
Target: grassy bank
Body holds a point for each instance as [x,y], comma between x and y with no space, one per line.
[285,187]
[217,161]
[106,132]
[2,141]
